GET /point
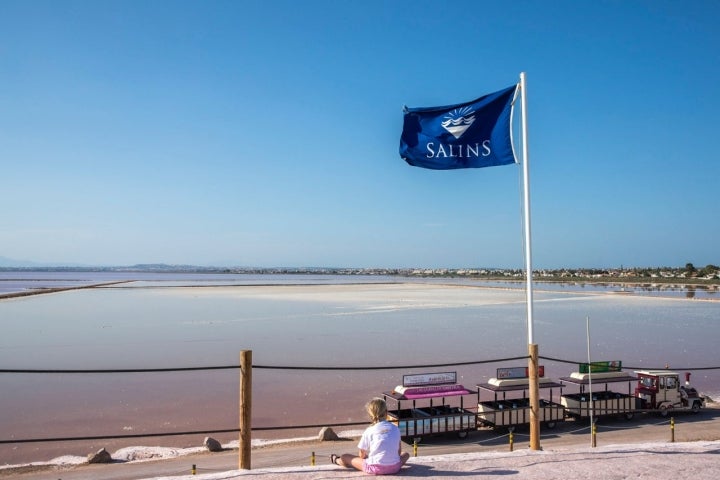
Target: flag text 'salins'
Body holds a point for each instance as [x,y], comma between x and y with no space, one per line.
[475,134]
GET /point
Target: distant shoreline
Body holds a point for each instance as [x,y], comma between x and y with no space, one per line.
[660,275]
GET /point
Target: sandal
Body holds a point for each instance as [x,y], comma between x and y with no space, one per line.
[333,458]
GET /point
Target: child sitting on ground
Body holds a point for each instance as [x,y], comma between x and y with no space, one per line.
[380,448]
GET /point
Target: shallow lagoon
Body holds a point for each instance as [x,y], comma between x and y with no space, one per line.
[154,324]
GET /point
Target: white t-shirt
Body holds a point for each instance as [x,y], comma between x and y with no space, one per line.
[381,441]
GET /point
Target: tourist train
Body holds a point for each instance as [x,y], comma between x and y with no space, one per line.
[434,403]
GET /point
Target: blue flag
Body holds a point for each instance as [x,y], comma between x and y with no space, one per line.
[475,134]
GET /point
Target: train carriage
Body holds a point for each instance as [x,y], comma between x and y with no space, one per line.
[510,406]
[430,404]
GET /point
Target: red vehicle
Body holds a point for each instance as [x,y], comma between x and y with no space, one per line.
[661,390]
[655,391]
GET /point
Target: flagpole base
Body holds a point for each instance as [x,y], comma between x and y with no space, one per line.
[534,397]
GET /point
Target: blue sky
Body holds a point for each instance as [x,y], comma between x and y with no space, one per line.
[265,133]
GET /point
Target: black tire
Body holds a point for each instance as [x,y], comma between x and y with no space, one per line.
[695,407]
[550,425]
[462,434]
[629,415]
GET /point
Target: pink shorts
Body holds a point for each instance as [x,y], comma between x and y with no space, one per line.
[379,469]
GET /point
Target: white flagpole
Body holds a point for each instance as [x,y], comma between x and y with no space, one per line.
[526,210]
[532,346]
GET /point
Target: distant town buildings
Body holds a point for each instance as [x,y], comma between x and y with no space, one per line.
[688,274]
[708,273]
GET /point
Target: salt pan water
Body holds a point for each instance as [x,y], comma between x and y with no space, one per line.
[186,323]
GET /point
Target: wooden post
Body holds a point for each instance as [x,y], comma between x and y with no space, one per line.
[245,409]
[534,397]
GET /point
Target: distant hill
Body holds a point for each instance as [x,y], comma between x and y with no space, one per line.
[9,262]
[6,262]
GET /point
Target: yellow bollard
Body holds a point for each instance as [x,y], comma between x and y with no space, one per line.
[312,459]
[594,435]
[194,470]
[672,429]
[512,441]
[414,447]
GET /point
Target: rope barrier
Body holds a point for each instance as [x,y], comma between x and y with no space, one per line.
[270,367]
[587,427]
[608,427]
[399,367]
[236,430]
[121,370]
[112,437]
[266,367]
[300,427]
[664,422]
[175,434]
[494,438]
[319,368]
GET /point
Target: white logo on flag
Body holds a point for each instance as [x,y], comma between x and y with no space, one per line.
[458,121]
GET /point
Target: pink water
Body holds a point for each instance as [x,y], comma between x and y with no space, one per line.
[150,326]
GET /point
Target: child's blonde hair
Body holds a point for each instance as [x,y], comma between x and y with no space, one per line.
[376,409]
